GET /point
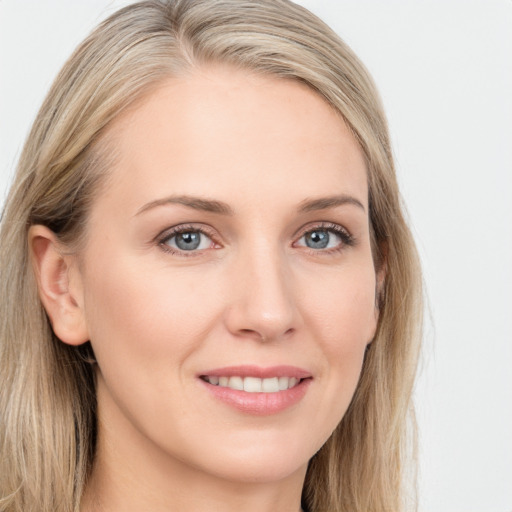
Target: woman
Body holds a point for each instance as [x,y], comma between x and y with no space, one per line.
[211,300]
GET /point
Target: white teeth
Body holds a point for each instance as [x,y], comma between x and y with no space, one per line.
[254,384]
[236,383]
[270,385]
[284,383]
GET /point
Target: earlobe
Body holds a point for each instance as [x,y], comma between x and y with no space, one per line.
[58,282]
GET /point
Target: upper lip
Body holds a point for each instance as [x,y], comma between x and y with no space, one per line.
[258,371]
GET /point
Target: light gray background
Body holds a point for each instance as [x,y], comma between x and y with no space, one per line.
[444,69]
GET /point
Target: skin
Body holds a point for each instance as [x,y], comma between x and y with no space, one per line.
[253,293]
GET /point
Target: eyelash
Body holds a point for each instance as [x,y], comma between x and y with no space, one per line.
[347,240]
[168,234]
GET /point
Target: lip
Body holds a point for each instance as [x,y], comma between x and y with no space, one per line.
[259,404]
[258,371]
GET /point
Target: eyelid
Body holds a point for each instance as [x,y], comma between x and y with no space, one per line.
[347,239]
[345,235]
[168,233]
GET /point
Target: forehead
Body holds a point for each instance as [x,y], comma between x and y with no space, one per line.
[219,131]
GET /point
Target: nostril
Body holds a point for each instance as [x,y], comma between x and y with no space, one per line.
[253,333]
[261,336]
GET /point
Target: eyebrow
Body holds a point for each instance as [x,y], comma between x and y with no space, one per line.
[213,206]
[323,203]
[197,203]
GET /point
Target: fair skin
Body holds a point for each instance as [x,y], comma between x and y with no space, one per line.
[233,232]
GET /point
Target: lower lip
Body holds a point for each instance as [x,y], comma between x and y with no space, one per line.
[259,404]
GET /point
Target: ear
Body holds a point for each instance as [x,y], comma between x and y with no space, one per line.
[380,275]
[60,285]
[380,283]
[380,287]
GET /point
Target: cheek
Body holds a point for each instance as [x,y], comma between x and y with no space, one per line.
[146,325]
[343,317]
[140,318]
[341,306]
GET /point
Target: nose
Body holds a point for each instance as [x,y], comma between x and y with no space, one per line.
[262,302]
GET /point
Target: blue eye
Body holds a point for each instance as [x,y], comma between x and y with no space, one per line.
[318,239]
[323,238]
[190,240]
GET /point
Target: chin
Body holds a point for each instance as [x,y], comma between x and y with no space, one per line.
[260,459]
[263,471]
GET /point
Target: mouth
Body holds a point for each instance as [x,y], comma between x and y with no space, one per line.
[258,391]
[252,384]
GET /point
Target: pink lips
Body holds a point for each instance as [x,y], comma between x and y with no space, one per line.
[259,403]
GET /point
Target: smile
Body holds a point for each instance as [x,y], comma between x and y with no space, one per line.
[255,390]
[253,384]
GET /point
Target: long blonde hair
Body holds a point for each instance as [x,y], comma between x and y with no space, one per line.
[47,401]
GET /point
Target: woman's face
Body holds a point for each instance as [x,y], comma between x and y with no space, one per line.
[230,249]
